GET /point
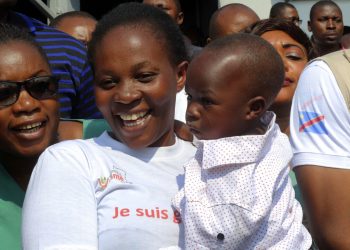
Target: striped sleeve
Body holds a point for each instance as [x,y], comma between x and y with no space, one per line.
[68,61]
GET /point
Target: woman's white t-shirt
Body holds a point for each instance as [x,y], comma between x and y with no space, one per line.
[100,194]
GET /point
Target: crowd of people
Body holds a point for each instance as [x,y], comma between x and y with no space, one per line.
[119,133]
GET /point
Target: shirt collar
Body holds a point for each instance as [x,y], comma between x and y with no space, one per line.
[258,146]
[23,21]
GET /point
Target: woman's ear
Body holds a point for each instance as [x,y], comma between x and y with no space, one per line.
[181,75]
[256,106]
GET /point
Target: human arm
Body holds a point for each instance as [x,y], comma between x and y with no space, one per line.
[327,204]
[60,207]
[320,125]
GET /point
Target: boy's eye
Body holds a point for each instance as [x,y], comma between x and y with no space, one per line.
[206,101]
[189,97]
[146,77]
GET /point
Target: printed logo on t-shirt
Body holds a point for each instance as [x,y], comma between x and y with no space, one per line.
[312,122]
[117,175]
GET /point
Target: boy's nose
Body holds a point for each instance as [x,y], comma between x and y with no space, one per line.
[192,112]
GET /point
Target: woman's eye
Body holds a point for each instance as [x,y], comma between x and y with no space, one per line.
[294,57]
[146,77]
[107,84]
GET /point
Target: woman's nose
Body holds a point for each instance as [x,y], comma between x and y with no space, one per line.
[126,93]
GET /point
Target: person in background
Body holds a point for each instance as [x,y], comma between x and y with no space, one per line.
[294,47]
[345,41]
[320,137]
[114,191]
[285,11]
[78,24]
[237,194]
[29,113]
[326,25]
[68,60]
[231,19]
[173,9]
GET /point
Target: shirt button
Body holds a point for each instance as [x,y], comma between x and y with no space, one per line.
[220,236]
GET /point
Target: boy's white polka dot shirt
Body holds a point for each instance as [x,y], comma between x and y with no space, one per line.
[237,194]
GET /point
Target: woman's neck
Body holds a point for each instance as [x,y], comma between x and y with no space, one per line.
[20,169]
[282,117]
[283,123]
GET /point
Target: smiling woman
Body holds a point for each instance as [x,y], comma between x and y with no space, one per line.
[29,113]
[118,187]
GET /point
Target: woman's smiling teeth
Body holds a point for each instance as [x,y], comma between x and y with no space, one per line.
[30,128]
[134,119]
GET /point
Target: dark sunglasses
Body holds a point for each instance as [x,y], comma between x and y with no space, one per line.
[39,87]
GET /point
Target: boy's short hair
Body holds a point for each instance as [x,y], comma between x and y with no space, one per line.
[258,60]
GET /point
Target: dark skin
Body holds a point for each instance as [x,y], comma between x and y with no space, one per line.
[294,58]
[290,14]
[69,130]
[237,111]
[27,126]
[327,203]
[231,19]
[327,28]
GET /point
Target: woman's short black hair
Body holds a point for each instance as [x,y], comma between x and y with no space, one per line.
[11,33]
[289,28]
[142,16]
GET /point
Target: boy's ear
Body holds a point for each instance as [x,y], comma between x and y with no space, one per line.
[181,75]
[256,106]
[180,18]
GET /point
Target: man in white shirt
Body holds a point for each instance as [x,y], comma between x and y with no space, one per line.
[320,136]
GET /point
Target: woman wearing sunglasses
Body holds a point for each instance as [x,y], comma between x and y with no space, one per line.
[29,115]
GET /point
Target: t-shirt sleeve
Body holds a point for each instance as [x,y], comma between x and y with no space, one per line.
[59,210]
[320,120]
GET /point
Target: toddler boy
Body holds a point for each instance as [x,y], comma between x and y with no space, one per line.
[237,192]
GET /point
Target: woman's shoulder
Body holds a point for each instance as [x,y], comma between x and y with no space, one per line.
[75,148]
